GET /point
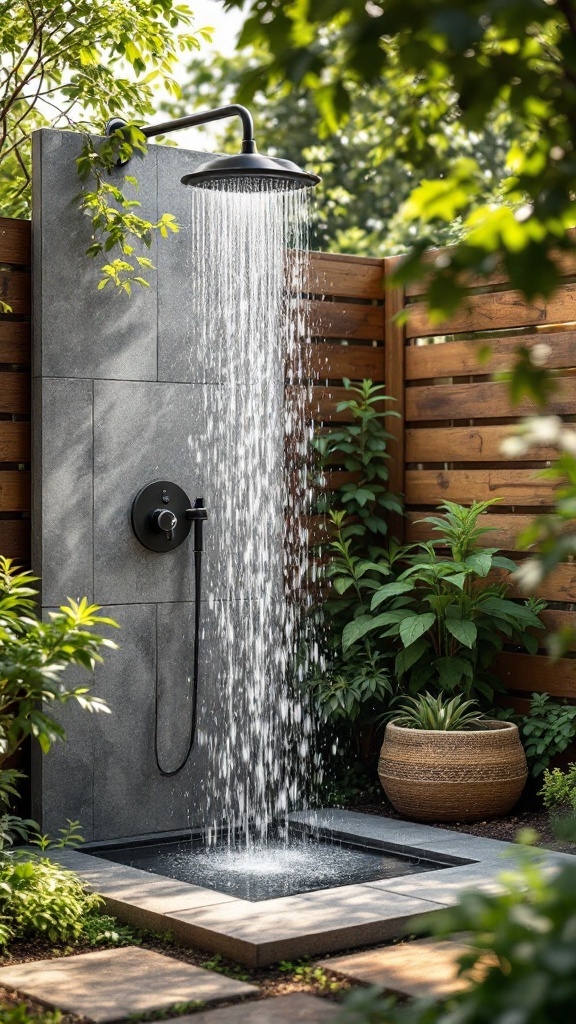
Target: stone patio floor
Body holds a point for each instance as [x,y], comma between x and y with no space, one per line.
[113,985]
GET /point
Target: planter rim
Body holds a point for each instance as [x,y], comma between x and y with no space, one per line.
[492,725]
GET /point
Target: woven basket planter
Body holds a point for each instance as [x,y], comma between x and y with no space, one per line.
[453,776]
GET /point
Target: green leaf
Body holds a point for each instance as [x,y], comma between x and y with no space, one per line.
[464,630]
[414,626]
[390,590]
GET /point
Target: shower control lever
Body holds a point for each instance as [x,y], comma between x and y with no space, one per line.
[162,516]
[164,521]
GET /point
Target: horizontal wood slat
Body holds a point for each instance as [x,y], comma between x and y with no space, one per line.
[458,358]
[530,673]
[466,444]
[15,238]
[14,491]
[15,393]
[343,320]
[325,400]
[14,342]
[565,261]
[15,290]
[504,529]
[513,486]
[559,585]
[481,400]
[359,362]
[14,440]
[345,276]
[495,311]
[15,539]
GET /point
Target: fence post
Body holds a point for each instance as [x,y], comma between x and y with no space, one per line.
[394,361]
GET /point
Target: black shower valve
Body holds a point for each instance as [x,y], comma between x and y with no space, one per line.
[164,521]
[162,516]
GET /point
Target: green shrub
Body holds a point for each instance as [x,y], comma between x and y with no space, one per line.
[22,1015]
[559,789]
[548,729]
[440,617]
[33,657]
[39,899]
[351,688]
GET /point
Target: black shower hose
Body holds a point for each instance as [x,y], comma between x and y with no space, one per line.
[198,515]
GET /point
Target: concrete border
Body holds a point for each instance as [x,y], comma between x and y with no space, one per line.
[259,934]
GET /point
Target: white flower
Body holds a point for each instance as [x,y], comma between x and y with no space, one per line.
[567,441]
[528,575]
[514,446]
[543,429]
[540,353]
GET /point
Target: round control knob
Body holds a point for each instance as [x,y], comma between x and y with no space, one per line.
[159,517]
[164,520]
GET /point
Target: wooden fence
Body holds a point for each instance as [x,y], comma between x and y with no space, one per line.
[15,377]
[447,446]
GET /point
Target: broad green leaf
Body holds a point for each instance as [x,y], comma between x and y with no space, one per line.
[390,590]
[480,561]
[414,626]
[463,629]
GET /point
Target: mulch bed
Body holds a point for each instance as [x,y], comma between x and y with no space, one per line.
[506,829]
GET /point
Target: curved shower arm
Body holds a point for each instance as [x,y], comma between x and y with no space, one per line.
[190,120]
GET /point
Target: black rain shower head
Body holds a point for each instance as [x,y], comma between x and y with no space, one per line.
[245,171]
[250,172]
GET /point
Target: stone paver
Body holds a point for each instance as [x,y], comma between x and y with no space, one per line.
[445,887]
[294,1009]
[354,915]
[113,984]
[426,968]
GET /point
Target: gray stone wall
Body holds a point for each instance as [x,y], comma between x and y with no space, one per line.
[116,398]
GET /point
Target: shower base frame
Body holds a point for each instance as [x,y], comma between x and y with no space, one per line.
[313,923]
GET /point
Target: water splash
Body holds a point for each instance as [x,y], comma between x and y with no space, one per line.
[249,342]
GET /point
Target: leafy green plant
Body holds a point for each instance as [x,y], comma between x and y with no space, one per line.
[228,969]
[428,712]
[442,617]
[360,447]
[104,930]
[21,1014]
[72,67]
[354,686]
[559,788]
[40,899]
[302,970]
[33,657]
[70,835]
[548,729]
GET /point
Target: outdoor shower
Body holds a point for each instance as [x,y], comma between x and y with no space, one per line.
[195,381]
[245,170]
[161,512]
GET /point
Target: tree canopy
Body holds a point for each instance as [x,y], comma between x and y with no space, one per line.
[515,54]
[367,169]
[74,64]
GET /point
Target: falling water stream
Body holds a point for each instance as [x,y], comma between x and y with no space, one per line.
[250,263]
[248,336]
